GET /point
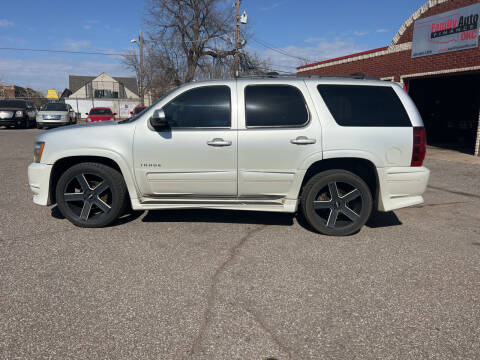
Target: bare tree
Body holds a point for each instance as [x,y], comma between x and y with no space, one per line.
[187,40]
[188,31]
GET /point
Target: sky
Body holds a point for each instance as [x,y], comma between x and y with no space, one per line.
[313,30]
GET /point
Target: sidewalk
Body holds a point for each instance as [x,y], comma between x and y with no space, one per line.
[451,155]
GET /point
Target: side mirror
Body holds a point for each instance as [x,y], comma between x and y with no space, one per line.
[131,112]
[159,120]
[114,113]
[86,113]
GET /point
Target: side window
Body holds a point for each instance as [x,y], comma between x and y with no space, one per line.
[357,105]
[275,106]
[202,107]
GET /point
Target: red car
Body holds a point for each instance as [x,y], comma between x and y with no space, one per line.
[138,110]
[100,114]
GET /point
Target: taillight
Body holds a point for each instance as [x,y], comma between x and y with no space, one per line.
[419,146]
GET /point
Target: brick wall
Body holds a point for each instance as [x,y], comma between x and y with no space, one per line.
[397,61]
[401,63]
[7,91]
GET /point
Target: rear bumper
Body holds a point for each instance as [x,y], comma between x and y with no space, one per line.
[39,182]
[401,187]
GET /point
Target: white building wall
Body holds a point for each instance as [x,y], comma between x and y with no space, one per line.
[120,106]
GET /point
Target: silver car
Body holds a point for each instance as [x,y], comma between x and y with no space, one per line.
[56,114]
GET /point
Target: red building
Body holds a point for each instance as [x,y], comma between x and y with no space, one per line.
[439,66]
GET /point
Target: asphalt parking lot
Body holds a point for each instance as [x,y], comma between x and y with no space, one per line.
[239,285]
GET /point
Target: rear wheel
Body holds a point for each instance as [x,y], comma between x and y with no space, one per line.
[336,202]
[91,194]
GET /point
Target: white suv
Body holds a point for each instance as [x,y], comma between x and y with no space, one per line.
[331,148]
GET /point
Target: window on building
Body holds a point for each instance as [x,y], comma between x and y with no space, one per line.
[202,107]
[358,105]
[108,94]
[275,106]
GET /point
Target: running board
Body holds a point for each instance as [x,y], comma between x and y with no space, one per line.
[151,203]
[156,201]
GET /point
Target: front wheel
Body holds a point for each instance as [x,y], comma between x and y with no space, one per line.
[91,195]
[336,202]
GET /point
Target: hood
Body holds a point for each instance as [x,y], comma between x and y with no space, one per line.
[2,108]
[82,139]
[78,127]
[52,112]
[101,116]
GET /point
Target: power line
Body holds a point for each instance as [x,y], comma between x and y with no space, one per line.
[66,51]
[107,54]
[266,45]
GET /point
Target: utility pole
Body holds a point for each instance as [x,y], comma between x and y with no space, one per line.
[140,45]
[237,39]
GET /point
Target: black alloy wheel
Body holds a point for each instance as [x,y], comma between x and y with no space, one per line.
[336,202]
[91,194]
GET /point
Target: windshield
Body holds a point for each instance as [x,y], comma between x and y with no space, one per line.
[12,103]
[54,107]
[101,112]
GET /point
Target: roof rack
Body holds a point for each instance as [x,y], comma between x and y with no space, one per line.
[274,75]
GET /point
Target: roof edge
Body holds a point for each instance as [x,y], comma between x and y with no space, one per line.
[416,15]
[343,57]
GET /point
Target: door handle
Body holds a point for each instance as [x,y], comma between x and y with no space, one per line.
[219,142]
[303,140]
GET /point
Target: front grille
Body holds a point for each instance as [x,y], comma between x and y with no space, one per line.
[52,117]
[6,114]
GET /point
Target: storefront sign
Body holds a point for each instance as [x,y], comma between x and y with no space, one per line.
[451,31]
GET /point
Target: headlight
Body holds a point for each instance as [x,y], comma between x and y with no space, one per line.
[37,153]
[19,114]
[88,119]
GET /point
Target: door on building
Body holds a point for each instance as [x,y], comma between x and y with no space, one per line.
[450,110]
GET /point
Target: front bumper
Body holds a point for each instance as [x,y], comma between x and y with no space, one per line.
[39,181]
[401,187]
[12,122]
[53,122]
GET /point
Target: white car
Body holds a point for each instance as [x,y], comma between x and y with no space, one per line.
[56,114]
[331,148]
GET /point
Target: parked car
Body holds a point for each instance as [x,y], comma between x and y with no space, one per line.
[137,110]
[17,113]
[330,148]
[56,114]
[100,114]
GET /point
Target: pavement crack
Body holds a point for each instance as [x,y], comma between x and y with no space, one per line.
[259,320]
[454,192]
[207,317]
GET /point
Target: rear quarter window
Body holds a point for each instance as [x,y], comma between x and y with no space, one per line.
[360,105]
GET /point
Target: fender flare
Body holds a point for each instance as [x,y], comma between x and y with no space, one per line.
[108,154]
[339,154]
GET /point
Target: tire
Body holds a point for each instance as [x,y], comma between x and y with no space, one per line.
[336,202]
[23,124]
[91,195]
[39,126]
